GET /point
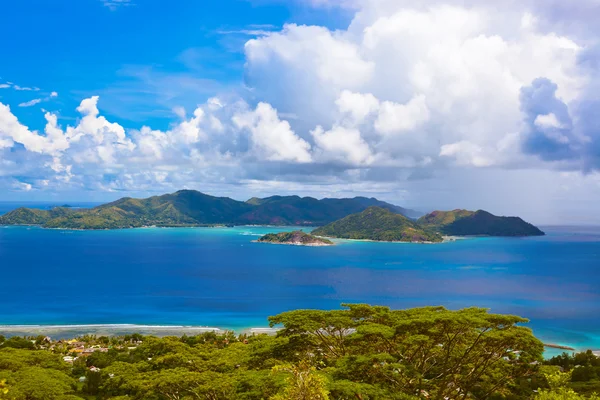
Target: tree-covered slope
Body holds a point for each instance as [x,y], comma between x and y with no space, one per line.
[467,223]
[295,210]
[189,207]
[32,216]
[183,207]
[376,223]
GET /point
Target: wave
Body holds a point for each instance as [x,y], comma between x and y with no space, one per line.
[120,329]
[81,326]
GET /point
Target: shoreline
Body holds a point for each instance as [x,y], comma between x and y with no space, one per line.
[66,331]
[296,244]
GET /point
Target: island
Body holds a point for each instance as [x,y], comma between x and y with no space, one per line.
[378,224]
[477,223]
[192,208]
[296,238]
[349,218]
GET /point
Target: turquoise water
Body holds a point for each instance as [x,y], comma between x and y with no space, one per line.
[219,277]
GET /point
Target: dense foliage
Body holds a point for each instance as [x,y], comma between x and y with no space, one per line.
[296,237]
[376,223]
[584,370]
[465,223]
[361,352]
[192,208]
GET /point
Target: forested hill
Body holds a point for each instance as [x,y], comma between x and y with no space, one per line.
[376,223]
[193,208]
[473,223]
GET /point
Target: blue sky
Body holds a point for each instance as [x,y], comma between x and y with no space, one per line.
[90,47]
[438,104]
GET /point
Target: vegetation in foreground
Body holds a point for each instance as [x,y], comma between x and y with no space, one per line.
[361,352]
[295,238]
[378,224]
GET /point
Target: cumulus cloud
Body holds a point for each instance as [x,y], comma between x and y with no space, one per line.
[407,91]
[272,138]
[413,79]
[344,145]
[98,153]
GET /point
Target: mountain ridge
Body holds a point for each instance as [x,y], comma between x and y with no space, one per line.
[193,208]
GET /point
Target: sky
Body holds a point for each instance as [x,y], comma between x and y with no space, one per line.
[436,104]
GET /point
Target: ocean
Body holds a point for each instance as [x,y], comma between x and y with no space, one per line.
[218,277]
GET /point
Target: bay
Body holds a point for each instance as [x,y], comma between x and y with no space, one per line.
[219,277]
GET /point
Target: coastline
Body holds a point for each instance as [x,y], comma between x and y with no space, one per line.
[449,240]
[296,244]
[66,331]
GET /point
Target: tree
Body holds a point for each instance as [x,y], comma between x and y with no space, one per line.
[17,342]
[558,382]
[40,384]
[3,389]
[303,383]
[443,354]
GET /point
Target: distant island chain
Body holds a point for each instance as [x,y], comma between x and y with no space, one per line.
[357,218]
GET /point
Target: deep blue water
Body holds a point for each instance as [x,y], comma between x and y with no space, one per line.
[219,277]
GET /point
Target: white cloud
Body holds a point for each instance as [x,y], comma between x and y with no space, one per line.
[22,186]
[547,121]
[466,153]
[395,117]
[179,111]
[33,102]
[4,86]
[343,145]
[30,103]
[358,105]
[411,78]
[272,137]
[25,88]
[114,5]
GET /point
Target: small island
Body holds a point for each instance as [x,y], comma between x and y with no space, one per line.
[296,238]
[378,224]
[477,223]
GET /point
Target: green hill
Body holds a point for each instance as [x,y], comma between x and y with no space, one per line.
[192,208]
[32,216]
[475,223]
[376,223]
[295,210]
